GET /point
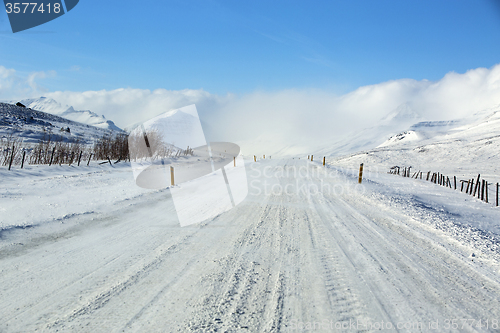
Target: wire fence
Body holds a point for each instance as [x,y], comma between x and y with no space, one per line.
[475,186]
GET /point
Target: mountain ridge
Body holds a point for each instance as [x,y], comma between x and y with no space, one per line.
[49,105]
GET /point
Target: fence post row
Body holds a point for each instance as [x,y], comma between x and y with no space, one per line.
[474,185]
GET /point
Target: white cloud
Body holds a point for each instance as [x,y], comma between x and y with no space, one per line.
[17,86]
[32,77]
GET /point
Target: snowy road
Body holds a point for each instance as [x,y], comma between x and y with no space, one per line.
[304,251]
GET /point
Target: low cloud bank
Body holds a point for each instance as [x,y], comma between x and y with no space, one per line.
[287,116]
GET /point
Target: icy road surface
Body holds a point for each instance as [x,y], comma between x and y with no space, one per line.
[87,251]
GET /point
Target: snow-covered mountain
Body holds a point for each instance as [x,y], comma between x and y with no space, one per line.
[33,126]
[51,106]
[463,146]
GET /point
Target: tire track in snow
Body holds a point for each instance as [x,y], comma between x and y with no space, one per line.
[229,306]
[407,269]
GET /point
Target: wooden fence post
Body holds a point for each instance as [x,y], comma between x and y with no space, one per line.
[264,156]
[455,181]
[324,160]
[234,160]
[52,156]
[482,190]
[428,173]
[24,155]
[311,158]
[486,182]
[172,176]
[80,158]
[498,186]
[11,157]
[477,184]
[360,178]
[89,159]
[254,158]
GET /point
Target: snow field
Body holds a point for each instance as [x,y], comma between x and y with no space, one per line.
[395,251]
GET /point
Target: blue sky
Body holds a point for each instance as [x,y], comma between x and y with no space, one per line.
[245,46]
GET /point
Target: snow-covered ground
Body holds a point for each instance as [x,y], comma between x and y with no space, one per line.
[84,249]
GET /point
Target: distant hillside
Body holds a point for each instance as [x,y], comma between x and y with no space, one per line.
[51,106]
[32,126]
[464,146]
